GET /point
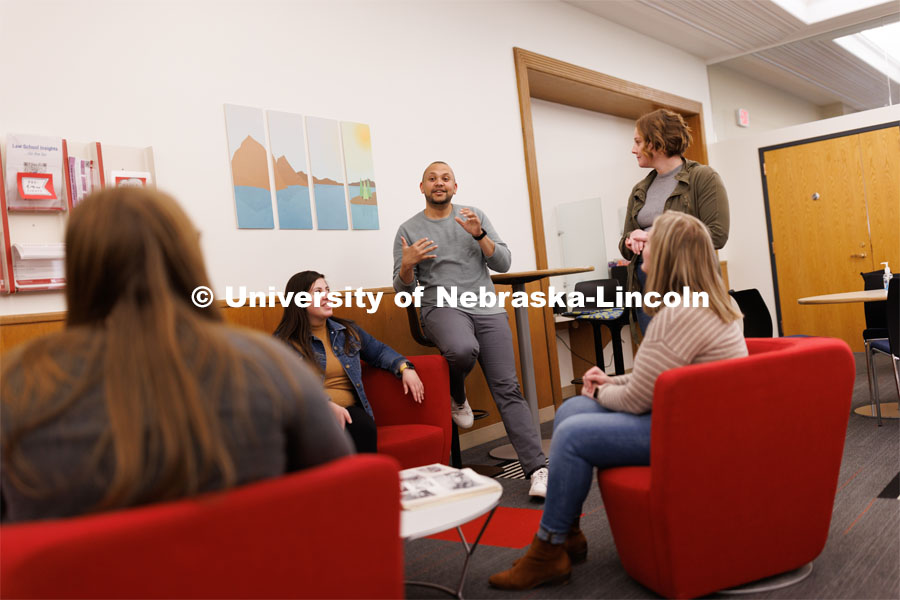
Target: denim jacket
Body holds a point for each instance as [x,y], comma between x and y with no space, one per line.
[369,349]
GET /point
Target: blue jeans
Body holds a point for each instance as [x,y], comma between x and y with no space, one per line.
[586,435]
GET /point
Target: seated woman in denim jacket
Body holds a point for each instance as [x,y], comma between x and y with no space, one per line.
[334,346]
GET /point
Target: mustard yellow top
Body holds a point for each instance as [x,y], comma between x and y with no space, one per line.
[337,385]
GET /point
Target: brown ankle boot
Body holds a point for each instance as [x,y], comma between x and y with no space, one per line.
[544,563]
[576,543]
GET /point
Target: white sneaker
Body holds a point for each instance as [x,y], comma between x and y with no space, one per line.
[539,483]
[462,414]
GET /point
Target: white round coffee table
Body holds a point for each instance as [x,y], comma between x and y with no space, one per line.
[422,522]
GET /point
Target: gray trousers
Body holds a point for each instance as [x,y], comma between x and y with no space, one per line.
[464,338]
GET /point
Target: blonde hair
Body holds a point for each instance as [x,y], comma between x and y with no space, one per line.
[682,254]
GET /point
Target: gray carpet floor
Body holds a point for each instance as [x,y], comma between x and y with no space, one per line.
[861,558]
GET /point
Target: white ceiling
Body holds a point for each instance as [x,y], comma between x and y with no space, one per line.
[760,39]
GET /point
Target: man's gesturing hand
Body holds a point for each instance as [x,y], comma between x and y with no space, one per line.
[472,223]
[419,251]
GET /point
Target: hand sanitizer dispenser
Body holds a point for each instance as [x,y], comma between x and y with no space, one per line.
[887,275]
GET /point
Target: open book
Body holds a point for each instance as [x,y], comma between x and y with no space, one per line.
[433,484]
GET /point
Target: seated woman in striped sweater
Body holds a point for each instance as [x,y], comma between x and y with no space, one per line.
[609,424]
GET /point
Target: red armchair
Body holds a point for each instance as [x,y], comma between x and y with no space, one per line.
[744,461]
[414,434]
[289,537]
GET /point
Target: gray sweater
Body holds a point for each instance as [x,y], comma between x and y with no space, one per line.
[286,433]
[460,261]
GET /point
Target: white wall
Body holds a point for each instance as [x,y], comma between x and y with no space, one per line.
[434,80]
[737,161]
[770,107]
[582,155]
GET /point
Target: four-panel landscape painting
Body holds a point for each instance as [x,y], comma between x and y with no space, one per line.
[324,176]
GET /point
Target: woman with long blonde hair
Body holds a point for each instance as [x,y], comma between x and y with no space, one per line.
[609,424]
[143,396]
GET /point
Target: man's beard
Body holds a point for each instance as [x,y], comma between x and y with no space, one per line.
[448,196]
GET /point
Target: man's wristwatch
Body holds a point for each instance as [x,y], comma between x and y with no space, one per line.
[480,237]
[405,366]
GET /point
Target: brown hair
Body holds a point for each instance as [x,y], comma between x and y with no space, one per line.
[664,131]
[682,254]
[294,326]
[163,365]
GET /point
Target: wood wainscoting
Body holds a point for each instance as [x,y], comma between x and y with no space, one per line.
[389,324]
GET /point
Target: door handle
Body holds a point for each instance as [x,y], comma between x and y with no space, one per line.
[860,255]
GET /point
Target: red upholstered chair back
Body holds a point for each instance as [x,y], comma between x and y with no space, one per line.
[289,537]
[745,456]
[410,423]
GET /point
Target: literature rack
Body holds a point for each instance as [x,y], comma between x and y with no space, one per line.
[6,263]
[121,165]
[33,257]
[83,165]
[34,174]
[39,266]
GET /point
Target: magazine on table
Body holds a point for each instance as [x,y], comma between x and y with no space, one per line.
[432,484]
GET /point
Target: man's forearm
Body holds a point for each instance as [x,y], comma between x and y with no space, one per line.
[487,246]
[406,275]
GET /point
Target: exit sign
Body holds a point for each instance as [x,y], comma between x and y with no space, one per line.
[742,115]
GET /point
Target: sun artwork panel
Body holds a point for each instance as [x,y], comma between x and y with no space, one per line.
[357,143]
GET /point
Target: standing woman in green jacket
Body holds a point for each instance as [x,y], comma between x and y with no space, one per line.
[675,183]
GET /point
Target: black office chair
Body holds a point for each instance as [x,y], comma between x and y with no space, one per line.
[876,322]
[612,318]
[757,320]
[889,346]
[875,311]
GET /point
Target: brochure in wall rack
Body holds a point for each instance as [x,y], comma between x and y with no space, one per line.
[34,173]
[81,178]
[130,178]
[39,266]
[433,484]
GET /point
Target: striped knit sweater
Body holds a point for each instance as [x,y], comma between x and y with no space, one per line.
[677,336]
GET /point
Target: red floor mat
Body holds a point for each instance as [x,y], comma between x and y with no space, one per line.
[509,528]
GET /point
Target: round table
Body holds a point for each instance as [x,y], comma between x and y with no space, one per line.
[421,522]
[889,410]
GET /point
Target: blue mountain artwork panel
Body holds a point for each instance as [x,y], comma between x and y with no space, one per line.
[294,210]
[287,142]
[331,206]
[254,207]
[249,167]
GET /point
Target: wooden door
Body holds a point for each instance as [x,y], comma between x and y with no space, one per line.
[820,234]
[880,150]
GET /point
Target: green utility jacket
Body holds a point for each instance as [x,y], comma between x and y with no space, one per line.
[699,192]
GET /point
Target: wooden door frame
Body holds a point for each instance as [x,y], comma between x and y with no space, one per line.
[546,78]
[765,188]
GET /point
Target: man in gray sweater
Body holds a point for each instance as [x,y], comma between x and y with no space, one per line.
[449,246]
